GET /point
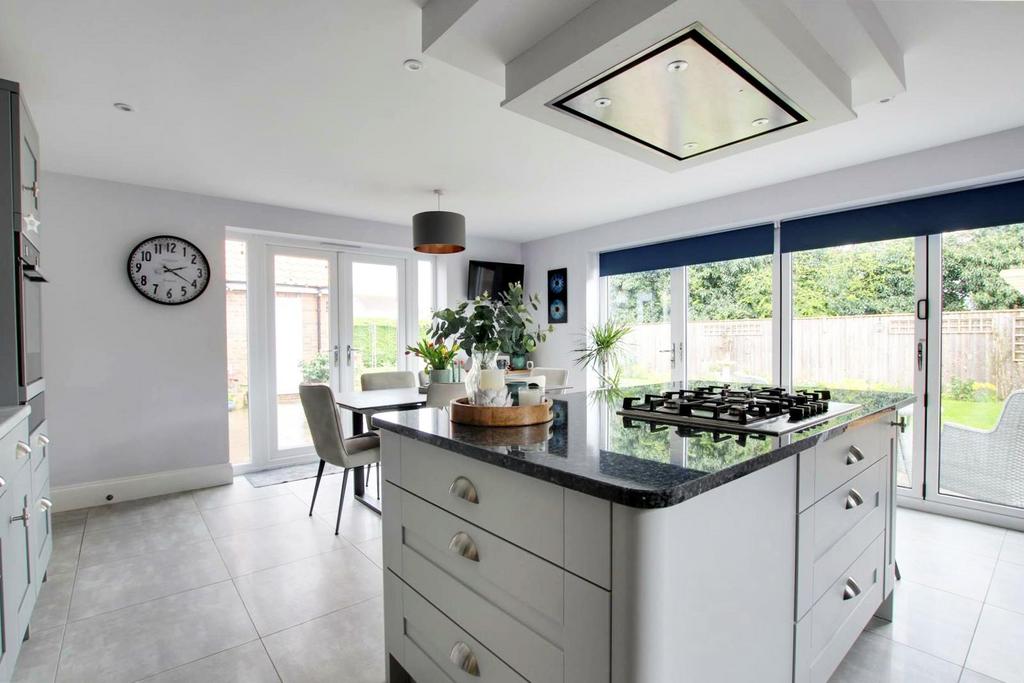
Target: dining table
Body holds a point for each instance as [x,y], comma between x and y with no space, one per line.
[363,404]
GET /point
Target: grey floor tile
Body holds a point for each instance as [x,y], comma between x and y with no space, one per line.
[934,621]
[271,546]
[288,595]
[358,523]
[875,658]
[347,645]
[253,514]
[51,608]
[946,568]
[247,663]
[239,491]
[969,676]
[121,542]
[1013,547]
[1007,589]
[914,527]
[113,585]
[66,546]
[37,661]
[996,650]
[373,549]
[146,639]
[139,511]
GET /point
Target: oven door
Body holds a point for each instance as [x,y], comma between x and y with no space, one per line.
[30,337]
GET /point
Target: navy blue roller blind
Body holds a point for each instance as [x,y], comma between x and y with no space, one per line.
[981,207]
[719,246]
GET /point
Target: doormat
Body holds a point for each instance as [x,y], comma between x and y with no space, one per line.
[281,475]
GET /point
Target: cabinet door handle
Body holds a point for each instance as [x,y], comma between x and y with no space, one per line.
[463,488]
[23,517]
[43,440]
[901,423]
[854,499]
[851,590]
[45,504]
[463,545]
[854,456]
[22,450]
[462,656]
[3,482]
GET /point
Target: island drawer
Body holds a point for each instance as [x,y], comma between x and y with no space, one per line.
[831,535]
[834,462]
[828,631]
[522,584]
[458,655]
[526,511]
[15,451]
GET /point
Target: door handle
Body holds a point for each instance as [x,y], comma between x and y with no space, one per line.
[348,354]
[850,590]
[22,450]
[45,504]
[854,499]
[23,517]
[854,456]
[901,423]
[920,355]
[336,350]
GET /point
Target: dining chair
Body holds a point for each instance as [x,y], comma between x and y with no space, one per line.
[330,443]
[554,377]
[439,395]
[402,379]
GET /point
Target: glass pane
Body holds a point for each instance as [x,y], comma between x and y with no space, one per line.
[982,454]
[237,309]
[302,339]
[853,322]
[374,319]
[643,301]
[729,321]
[424,306]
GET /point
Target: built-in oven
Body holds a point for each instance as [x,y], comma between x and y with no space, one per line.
[30,330]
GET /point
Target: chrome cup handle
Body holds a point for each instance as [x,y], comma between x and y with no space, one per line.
[464,546]
[462,656]
[22,450]
[854,456]
[850,590]
[463,488]
[45,504]
[854,499]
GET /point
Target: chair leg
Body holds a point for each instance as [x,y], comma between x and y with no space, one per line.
[378,481]
[341,501]
[366,475]
[316,486]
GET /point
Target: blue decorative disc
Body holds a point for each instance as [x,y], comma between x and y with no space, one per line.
[557,309]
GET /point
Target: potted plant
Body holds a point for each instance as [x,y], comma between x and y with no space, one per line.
[483,327]
[602,351]
[517,333]
[437,356]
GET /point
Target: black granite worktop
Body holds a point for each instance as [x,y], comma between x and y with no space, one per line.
[591,449]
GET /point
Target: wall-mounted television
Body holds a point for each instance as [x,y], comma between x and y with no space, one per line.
[488,276]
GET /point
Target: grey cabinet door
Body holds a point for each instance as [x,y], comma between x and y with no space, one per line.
[19,584]
[29,169]
[8,630]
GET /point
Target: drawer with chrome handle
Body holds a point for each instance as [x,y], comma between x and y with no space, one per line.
[460,656]
[22,450]
[832,463]
[841,510]
[526,511]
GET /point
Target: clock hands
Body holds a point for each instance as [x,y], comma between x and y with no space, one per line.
[174,272]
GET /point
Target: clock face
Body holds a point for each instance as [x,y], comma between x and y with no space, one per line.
[168,270]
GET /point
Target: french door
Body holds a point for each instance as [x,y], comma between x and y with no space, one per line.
[331,316]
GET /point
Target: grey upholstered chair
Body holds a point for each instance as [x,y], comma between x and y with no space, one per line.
[554,377]
[401,379]
[330,443]
[986,465]
[439,395]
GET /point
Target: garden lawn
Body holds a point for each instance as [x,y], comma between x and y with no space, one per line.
[977,414]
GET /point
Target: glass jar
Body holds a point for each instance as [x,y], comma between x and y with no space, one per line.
[485,382]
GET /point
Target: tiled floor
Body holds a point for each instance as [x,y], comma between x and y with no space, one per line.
[238,584]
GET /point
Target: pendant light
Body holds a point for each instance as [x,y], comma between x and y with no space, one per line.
[439,232]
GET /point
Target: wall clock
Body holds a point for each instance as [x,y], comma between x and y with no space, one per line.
[168,270]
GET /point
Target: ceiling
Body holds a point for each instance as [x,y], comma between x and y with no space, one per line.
[306,105]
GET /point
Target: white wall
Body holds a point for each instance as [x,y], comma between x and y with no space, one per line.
[135,388]
[985,159]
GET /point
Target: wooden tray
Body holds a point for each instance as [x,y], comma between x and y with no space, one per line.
[463,412]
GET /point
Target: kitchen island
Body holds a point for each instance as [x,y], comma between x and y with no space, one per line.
[604,548]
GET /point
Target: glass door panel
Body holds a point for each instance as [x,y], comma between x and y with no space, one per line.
[854,326]
[375,311]
[729,321]
[644,302]
[981,453]
[236,293]
[302,323]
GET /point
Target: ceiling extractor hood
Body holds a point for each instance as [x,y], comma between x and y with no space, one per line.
[684,97]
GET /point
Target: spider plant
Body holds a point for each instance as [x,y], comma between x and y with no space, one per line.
[602,351]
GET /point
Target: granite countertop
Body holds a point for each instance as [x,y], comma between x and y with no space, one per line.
[591,449]
[10,416]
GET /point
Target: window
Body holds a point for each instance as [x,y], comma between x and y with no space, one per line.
[643,301]
[237,314]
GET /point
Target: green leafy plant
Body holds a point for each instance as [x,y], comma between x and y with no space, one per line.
[961,389]
[602,350]
[488,324]
[316,370]
[437,355]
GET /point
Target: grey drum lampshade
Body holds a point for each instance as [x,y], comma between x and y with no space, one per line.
[439,232]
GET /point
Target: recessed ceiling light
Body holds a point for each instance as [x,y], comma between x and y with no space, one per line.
[121,106]
[690,146]
[412,65]
[602,102]
[677,65]
[760,122]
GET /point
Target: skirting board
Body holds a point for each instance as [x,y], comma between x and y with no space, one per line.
[140,486]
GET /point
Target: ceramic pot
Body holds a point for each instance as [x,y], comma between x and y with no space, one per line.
[518,361]
[443,376]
